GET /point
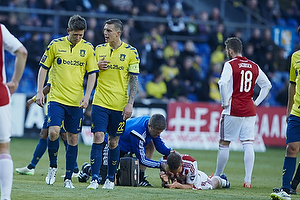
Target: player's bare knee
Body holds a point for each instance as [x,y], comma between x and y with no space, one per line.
[98,137]
[113,142]
[72,139]
[63,136]
[44,133]
[292,149]
[4,148]
[224,143]
[53,132]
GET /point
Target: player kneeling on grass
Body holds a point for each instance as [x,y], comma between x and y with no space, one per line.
[180,171]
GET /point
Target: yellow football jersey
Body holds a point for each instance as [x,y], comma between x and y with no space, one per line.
[112,84]
[68,65]
[294,77]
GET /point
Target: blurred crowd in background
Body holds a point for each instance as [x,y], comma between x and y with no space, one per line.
[176,68]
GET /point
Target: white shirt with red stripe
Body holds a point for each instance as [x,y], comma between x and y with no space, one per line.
[190,174]
[236,85]
[9,43]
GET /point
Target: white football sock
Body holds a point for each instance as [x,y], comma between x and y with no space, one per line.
[6,175]
[248,160]
[222,159]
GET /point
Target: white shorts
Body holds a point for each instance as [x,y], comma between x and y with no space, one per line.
[202,182]
[232,128]
[5,123]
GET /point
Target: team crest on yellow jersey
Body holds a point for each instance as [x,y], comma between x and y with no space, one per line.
[122,57]
[82,52]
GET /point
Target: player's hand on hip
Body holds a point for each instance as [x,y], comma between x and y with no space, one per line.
[12,86]
[102,64]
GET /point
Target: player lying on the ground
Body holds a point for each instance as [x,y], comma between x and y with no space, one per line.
[180,171]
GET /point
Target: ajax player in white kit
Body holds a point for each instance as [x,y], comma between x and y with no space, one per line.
[236,85]
[9,43]
[181,171]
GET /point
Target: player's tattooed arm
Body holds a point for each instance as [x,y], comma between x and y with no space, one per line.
[133,82]
[127,111]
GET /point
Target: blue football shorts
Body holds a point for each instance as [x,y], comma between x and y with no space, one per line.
[70,116]
[107,121]
[293,129]
[62,127]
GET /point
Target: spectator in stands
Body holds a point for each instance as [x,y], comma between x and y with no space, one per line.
[215,15]
[157,88]
[176,25]
[188,51]
[191,78]
[203,26]
[249,52]
[253,6]
[13,25]
[76,5]
[46,39]
[197,64]
[156,58]
[121,6]
[214,77]
[22,17]
[35,47]
[170,69]
[290,10]
[176,90]
[267,43]
[216,39]
[171,50]
[134,34]
[144,48]
[270,10]
[256,41]
[239,34]
[90,36]
[103,6]
[47,20]
[161,30]
[93,25]
[281,63]
[34,19]
[150,10]
[192,26]
[154,35]
[266,64]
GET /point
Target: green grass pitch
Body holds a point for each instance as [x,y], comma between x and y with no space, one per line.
[266,175]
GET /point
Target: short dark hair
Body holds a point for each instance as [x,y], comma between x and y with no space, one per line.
[158,122]
[77,23]
[235,44]
[174,161]
[117,23]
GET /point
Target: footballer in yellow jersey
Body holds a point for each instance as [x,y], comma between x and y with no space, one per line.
[69,58]
[292,133]
[295,80]
[69,63]
[112,106]
[113,82]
